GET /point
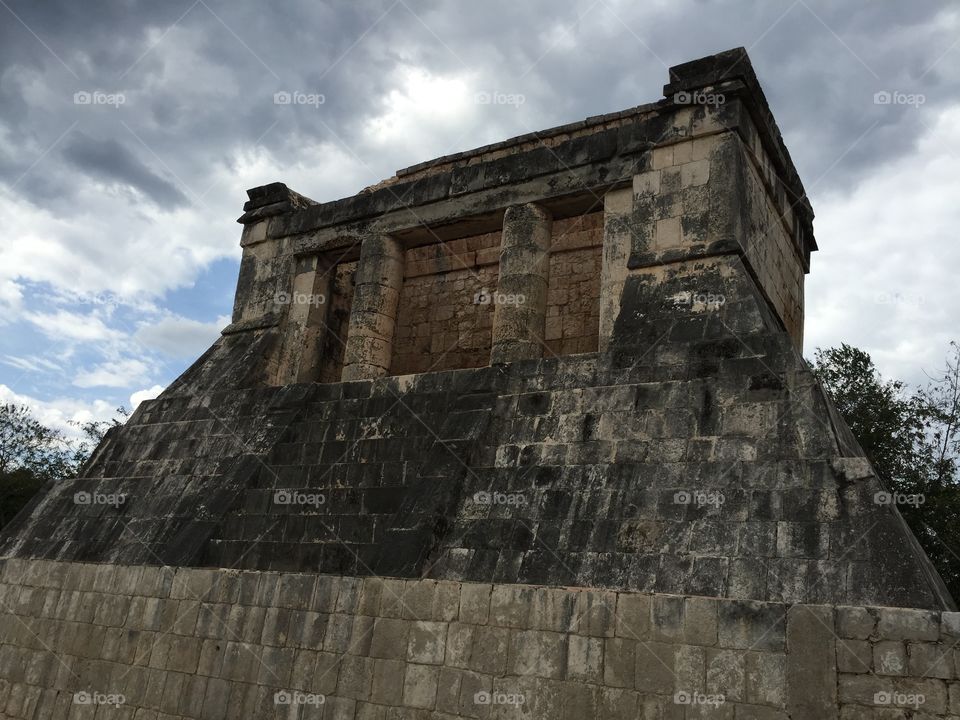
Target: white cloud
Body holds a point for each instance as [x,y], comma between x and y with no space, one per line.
[420,106]
[59,413]
[140,395]
[66,325]
[32,363]
[885,277]
[158,251]
[180,337]
[119,373]
[11,297]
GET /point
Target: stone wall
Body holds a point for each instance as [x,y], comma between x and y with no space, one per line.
[766,236]
[698,457]
[894,662]
[573,291]
[708,196]
[217,644]
[445,314]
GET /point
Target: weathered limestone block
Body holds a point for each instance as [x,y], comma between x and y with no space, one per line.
[374,312]
[812,667]
[854,656]
[520,305]
[908,624]
[855,622]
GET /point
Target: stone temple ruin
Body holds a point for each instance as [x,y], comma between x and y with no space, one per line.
[523,431]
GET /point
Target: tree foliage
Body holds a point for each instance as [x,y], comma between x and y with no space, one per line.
[913,440]
[32,454]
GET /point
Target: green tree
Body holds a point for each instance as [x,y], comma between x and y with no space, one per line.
[939,518]
[32,454]
[912,439]
[91,433]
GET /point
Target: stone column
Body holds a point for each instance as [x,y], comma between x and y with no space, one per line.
[617,215]
[373,314]
[520,304]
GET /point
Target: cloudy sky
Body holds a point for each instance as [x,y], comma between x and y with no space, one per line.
[130,130]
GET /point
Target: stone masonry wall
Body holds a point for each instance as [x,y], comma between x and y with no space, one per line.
[445,317]
[898,664]
[573,292]
[770,250]
[698,457]
[214,644]
[684,207]
[446,305]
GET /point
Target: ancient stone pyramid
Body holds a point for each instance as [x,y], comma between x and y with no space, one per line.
[529,420]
